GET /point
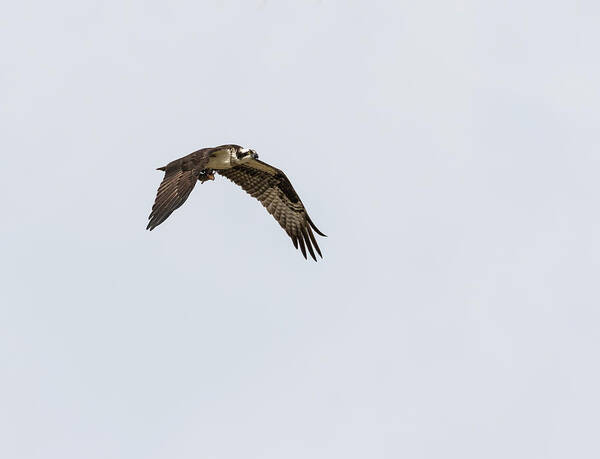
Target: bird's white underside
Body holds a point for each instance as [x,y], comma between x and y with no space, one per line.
[226,159]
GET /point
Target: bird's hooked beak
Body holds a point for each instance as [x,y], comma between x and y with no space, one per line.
[253,154]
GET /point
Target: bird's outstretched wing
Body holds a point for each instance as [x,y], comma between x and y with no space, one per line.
[273,189]
[180,178]
[172,193]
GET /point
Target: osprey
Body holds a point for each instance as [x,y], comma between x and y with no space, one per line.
[240,165]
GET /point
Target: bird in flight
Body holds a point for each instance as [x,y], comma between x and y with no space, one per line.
[240,165]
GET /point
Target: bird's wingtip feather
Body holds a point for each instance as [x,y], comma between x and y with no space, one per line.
[310,222]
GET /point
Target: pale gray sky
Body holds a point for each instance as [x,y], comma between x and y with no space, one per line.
[450,150]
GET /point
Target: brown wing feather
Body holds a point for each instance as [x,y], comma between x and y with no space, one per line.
[275,192]
[180,178]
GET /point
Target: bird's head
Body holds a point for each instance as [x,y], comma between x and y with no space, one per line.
[243,155]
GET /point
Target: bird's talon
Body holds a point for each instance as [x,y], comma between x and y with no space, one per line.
[206,175]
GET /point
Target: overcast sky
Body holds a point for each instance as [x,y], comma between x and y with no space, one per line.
[450,151]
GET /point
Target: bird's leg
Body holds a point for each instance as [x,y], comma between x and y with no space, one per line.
[206,175]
